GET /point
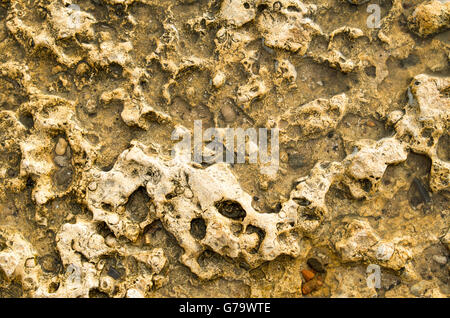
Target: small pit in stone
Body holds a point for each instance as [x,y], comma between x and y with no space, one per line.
[261,235]
[231,209]
[138,205]
[198,228]
[27,120]
[443,148]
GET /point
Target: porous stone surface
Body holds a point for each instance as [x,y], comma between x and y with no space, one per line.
[100,198]
[430,17]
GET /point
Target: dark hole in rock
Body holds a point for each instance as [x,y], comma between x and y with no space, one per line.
[170,195]
[30,182]
[107,207]
[371,71]
[443,148]
[262,7]
[311,214]
[366,184]
[419,165]
[120,10]
[116,69]
[427,132]
[277,208]
[418,193]
[95,293]
[103,229]
[198,228]
[244,265]
[261,235]
[302,201]
[411,60]
[168,207]
[27,120]
[53,287]
[138,205]
[210,259]
[231,209]
[107,168]
[50,263]
[277,6]
[295,160]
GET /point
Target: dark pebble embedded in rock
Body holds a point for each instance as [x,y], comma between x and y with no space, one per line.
[49,263]
[63,177]
[114,273]
[316,265]
[295,160]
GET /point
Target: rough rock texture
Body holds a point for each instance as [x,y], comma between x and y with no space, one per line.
[430,17]
[99,199]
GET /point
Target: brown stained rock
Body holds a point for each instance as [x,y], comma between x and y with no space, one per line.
[104,75]
[430,18]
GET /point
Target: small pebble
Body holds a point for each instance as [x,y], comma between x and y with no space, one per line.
[218,80]
[385,251]
[90,107]
[110,240]
[188,193]
[311,286]
[307,274]
[30,263]
[418,289]
[106,284]
[315,264]
[228,113]
[49,263]
[113,219]
[63,176]
[134,293]
[92,186]
[440,259]
[61,147]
